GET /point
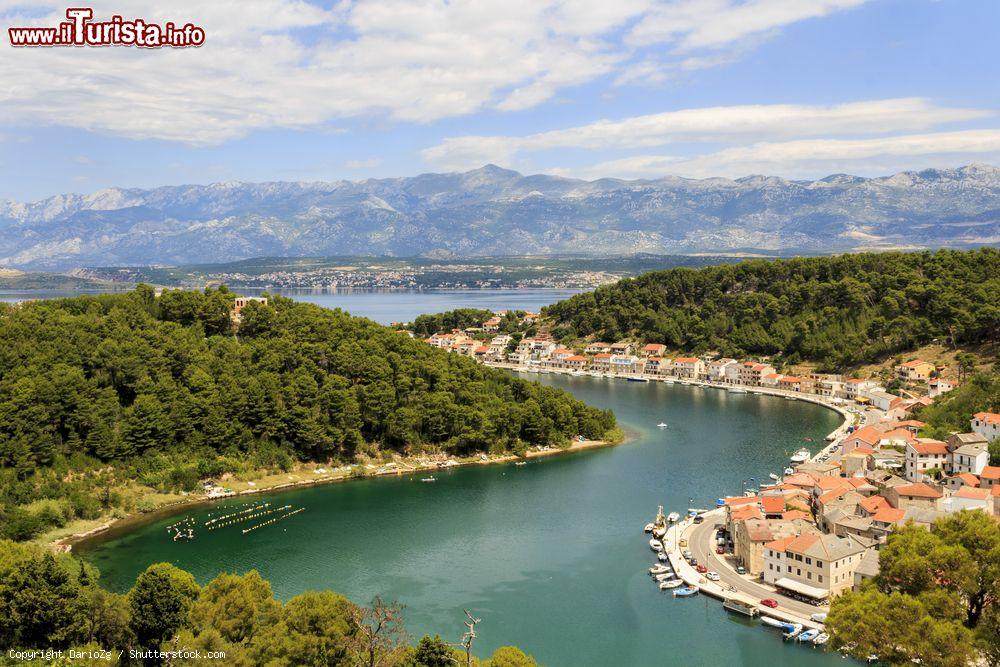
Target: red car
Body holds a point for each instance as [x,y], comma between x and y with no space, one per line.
[720,550]
[702,569]
[769,602]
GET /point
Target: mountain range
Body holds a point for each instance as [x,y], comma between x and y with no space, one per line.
[494,211]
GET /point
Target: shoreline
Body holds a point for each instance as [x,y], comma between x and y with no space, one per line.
[778,393]
[403,466]
[134,520]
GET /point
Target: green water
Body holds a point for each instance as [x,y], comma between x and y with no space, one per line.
[550,555]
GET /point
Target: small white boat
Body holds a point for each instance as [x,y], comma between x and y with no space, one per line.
[773,622]
[659,569]
[659,532]
[800,456]
[673,517]
[662,557]
[649,528]
[656,545]
[737,390]
[665,576]
[520,463]
[673,583]
[789,471]
[661,425]
[774,477]
[818,618]
[808,635]
[427,479]
[821,639]
[792,633]
[685,592]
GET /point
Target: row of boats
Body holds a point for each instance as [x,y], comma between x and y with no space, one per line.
[667,579]
[795,631]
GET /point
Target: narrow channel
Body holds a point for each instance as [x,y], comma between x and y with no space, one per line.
[551,555]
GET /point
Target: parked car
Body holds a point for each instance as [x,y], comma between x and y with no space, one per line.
[712,576]
[699,518]
[701,568]
[687,554]
[740,569]
[720,550]
[769,602]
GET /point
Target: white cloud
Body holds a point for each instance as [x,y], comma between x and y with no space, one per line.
[713,124]
[699,24]
[809,158]
[290,63]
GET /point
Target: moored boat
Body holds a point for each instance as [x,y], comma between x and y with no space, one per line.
[821,639]
[656,545]
[673,517]
[772,622]
[428,479]
[666,576]
[740,607]
[808,635]
[659,569]
[685,592]
[789,471]
[649,527]
[672,583]
[800,456]
[773,476]
[792,631]
[662,556]
[661,425]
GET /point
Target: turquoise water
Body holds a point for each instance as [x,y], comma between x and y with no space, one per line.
[550,555]
[383,306]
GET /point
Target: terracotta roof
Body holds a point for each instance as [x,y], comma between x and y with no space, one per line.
[772,504]
[915,363]
[791,515]
[873,504]
[918,490]
[856,381]
[929,447]
[747,512]
[652,347]
[780,544]
[828,483]
[791,378]
[758,530]
[800,479]
[868,434]
[576,357]
[971,493]
[482,348]
[773,376]
[602,355]
[863,451]
[988,417]
[733,501]
[889,515]
[990,472]
[908,422]
[995,490]
[685,360]
[968,479]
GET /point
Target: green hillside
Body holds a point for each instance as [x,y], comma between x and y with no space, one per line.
[838,311]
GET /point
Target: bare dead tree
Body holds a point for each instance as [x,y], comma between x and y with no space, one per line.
[469,637]
[380,630]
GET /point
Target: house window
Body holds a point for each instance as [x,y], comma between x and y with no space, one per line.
[809,561]
[798,572]
[821,578]
[809,575]
[819,563]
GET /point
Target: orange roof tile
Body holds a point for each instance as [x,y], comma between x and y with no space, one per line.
[747,512]
[780,544]
[772,504]
[990,472]
[930,447]
[968,479]
[988,417]
[733,501]
[873,504]
[802,542]
[971,493]
[889,515]
[918,490]
[791,515]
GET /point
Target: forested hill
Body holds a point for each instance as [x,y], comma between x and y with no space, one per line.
[835,310]
[162,388]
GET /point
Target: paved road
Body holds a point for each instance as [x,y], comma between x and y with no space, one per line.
[702,546]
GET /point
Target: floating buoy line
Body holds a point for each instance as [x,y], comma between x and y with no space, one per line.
[184,529]
[275,519]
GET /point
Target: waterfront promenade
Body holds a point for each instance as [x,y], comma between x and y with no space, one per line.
[700,540]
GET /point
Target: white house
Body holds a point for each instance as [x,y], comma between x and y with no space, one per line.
[968,498]
[688,367]
[969,458]
[986,424]
[855,389]
[883,400]
[939,386]
[923,455]
[717,368]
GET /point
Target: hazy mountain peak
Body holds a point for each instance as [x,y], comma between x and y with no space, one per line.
[496,211]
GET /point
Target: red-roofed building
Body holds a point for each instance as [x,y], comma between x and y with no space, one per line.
[772,505]
[990,477]
[987,424]
[915,371]
[872,504]
[913,495]
[923,455]
[689,367]
[969,498]
[653,350]
[790,383]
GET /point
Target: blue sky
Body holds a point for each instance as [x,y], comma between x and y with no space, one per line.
[288,90]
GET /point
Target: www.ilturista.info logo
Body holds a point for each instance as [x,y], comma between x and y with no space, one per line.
[80,30]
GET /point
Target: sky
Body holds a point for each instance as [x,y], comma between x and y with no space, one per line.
[289,90]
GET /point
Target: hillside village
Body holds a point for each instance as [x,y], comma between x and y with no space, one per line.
[815,532]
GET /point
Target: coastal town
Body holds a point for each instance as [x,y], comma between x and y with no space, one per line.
[814,529]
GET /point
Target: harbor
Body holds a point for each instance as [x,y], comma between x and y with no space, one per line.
[526,542]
